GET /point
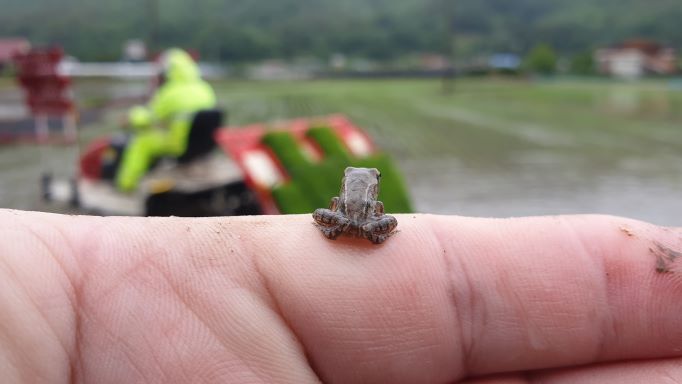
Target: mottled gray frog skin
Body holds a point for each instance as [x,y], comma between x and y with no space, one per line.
[356,211]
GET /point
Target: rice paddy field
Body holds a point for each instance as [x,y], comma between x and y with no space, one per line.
[491,147]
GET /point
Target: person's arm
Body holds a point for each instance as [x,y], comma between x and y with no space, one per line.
[140,118]
[158,109]
[270,299]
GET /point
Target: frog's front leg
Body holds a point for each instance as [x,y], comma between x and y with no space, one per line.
[378,231]
[330,222]
[378,208]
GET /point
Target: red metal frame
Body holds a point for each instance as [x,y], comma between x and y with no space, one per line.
[47,91]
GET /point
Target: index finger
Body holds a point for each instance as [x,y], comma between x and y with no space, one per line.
[449,297]
[446,297]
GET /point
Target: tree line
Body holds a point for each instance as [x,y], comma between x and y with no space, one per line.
[234,31]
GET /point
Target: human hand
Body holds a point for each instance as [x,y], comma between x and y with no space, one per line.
[139,118]
[269,299]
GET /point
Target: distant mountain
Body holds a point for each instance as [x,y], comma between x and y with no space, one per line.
[252,29]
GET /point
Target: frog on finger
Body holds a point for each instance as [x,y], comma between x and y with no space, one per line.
[356,211]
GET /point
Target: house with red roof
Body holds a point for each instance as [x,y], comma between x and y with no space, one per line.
[635,58]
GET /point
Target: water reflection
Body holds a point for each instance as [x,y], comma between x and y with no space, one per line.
[545,183]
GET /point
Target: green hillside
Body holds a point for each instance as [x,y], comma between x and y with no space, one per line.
[245,30]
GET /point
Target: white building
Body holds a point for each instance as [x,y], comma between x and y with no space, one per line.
[635,58]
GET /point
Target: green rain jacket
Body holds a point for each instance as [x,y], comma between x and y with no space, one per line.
[162,128]
[175,102]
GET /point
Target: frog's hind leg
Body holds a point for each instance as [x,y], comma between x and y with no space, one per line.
[386,224]
[327,217]
[331,223]
[379,208]
[334,204]
[331,232]
[378,231]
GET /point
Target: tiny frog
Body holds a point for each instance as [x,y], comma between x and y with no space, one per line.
[356,211]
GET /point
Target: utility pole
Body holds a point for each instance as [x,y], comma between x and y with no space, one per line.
[449,51]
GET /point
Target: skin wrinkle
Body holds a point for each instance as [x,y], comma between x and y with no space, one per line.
[614,271]
[646,371]
[272,299]
[607,319]
[132,278]
[276,307]
[37,309]
[98,258]
[76,356]
[75,299]
[267,301]
[237,260]
[666,282]
[150,265]
[575,248]
[125,350]
[120,277]
[185,304]
[71,280]
[534,324]
[478,313]
[13,360]
[497,294]
[30,299]
[663,285]
[441,332]
[65,276]
[466,340]
[665,374]
[673,379]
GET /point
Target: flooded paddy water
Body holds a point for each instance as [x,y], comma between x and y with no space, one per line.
[492,148]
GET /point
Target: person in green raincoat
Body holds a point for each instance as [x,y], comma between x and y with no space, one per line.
[162,127]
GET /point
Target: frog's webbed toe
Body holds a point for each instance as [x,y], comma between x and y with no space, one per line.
[378,231]
[325,217]
[331,232]
[378,238]
[329,218]
[331,223]
[386,224]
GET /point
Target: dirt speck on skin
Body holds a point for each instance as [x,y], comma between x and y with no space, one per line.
[665,257]
[626,231]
